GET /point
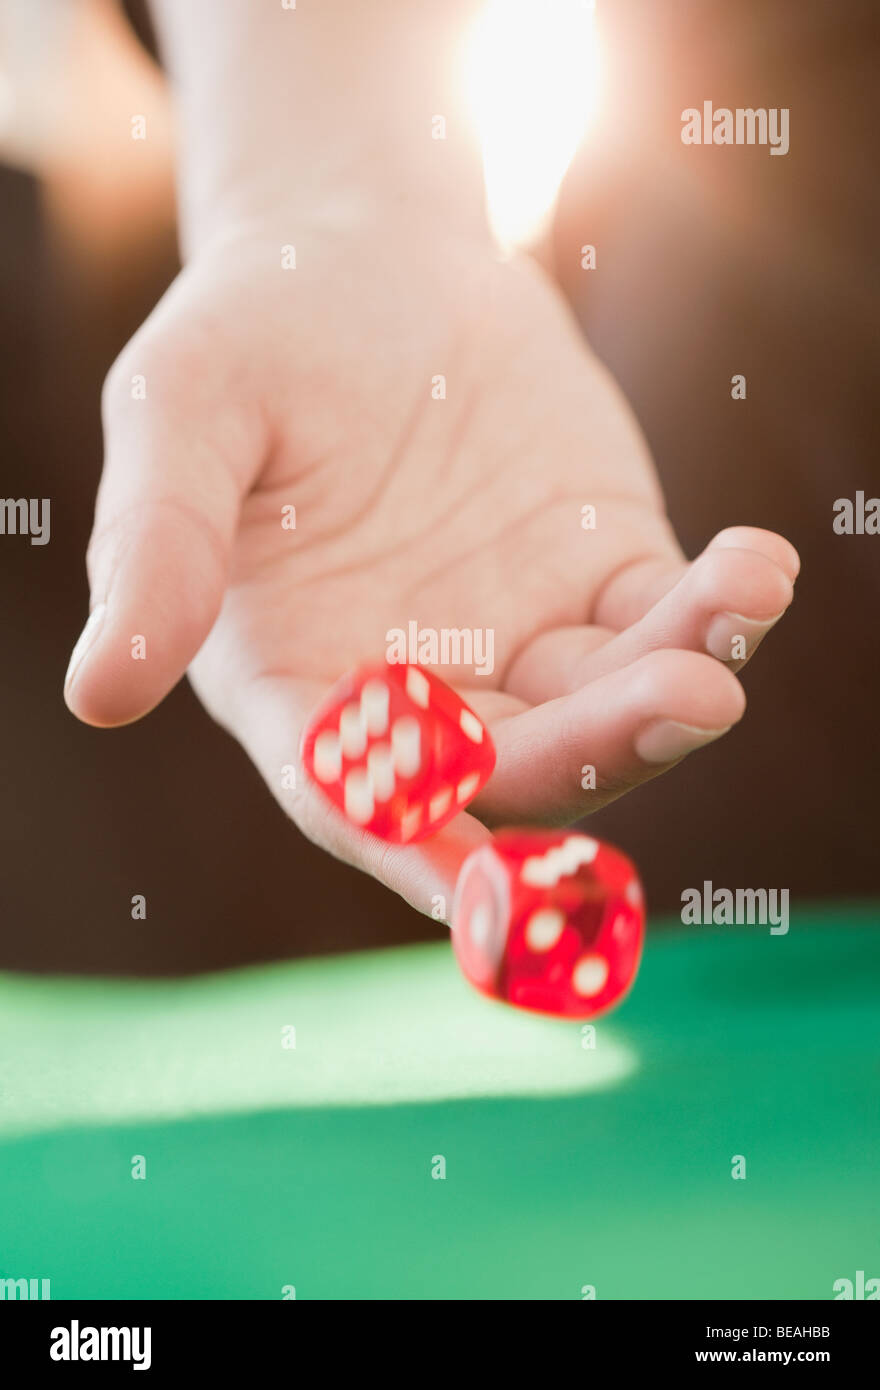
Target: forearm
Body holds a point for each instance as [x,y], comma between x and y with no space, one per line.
[319,112]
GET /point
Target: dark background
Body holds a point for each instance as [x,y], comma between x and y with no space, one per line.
[711,262]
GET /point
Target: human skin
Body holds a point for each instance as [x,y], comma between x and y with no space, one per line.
[269,387]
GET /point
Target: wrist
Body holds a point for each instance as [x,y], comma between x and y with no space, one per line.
[284,202]
[320,116]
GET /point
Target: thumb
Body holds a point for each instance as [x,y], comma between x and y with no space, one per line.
[177,464]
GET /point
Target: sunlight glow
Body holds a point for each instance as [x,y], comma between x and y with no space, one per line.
[532,83]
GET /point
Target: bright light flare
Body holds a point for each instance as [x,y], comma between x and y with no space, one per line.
[531,71]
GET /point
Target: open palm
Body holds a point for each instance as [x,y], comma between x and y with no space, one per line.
[439,426]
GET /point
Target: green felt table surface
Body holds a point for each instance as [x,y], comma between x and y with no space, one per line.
[566,1164]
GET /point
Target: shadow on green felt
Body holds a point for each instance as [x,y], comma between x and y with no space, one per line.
[540,1198]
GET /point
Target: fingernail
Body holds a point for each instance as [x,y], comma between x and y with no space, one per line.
[84,642]
[665,741]
[731,637]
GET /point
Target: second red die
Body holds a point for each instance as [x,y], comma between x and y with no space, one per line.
[397,751]
[549,920]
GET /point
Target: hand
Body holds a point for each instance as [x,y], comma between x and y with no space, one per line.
[312,387]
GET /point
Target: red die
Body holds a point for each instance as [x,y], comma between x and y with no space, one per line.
[549,920]
[397,751]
